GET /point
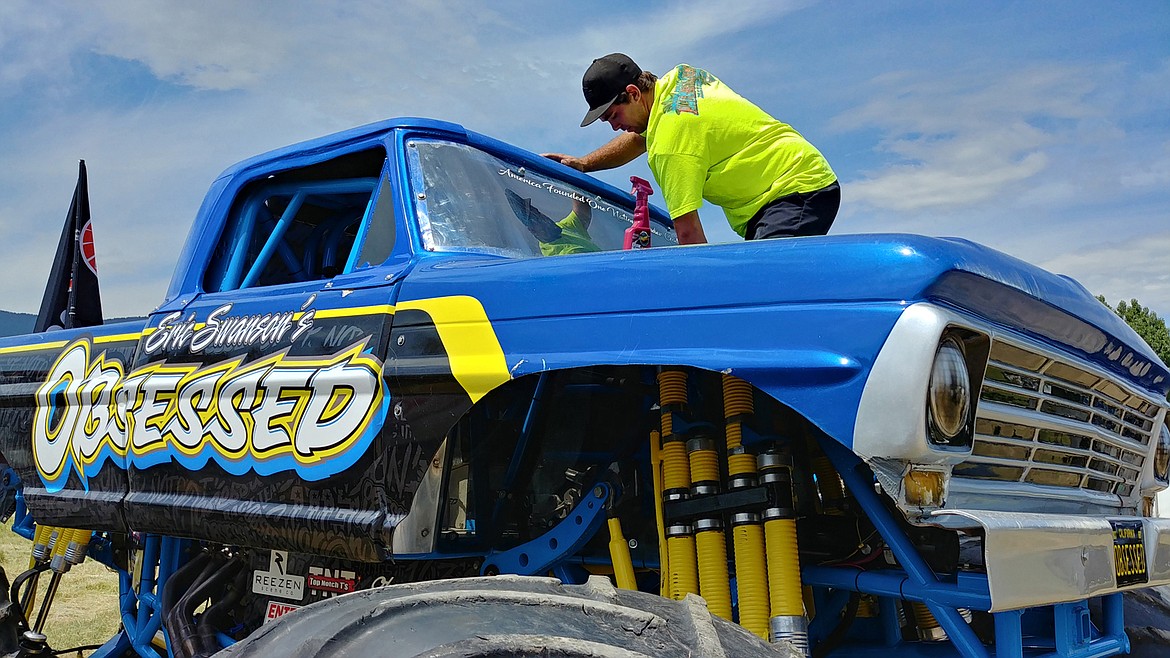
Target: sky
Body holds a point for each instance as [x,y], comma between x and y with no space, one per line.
[1039,128]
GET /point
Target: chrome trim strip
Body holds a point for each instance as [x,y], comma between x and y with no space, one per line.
[891,416]
[890,428]
[1128,480]
[1040,559]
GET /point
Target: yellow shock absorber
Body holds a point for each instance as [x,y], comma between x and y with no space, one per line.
[40,547]
[43,539]
[788,621]
[829,485]
[684,574]
[737,396]
[741,465]
[751,575]
[663,557]
[672,387]
[57,561]
[59,564]
[714,582]
[78,546]
[619,555]
[679,569]
[928,627]
[867,606]
[676,469]
[786,594]
[672,397]
[676,482]
[704,466]
[737,403]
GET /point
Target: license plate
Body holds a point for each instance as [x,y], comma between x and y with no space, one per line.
[1129,553]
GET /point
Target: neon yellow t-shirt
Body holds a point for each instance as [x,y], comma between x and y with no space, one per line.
[574,238]
[704,141]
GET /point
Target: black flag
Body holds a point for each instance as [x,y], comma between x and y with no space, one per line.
[71,296]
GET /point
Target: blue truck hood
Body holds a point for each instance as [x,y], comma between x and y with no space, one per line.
[829,271]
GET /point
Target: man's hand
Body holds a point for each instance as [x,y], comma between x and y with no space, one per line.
[567,160]
[614,153]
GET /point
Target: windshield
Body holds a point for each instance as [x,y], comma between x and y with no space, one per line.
[470,200]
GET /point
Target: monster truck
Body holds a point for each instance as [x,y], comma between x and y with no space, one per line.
[407,395]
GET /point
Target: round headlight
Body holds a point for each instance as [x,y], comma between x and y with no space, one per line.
[1162,456]
[950,392]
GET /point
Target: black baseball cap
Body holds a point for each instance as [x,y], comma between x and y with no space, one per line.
[605,80]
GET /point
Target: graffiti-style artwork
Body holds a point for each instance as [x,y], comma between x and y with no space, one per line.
[310,414]
[688,90]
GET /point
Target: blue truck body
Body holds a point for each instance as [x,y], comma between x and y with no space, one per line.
[356,318]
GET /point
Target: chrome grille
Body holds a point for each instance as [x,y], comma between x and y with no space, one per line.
[1044,421]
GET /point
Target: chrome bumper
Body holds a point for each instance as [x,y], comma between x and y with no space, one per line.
[1040,559]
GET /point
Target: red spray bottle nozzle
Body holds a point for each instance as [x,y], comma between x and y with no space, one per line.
[642,187]
[638,235]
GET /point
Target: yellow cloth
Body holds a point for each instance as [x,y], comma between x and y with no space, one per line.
[574,238]
[704,141]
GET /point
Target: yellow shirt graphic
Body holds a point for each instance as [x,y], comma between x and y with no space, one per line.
[704,141]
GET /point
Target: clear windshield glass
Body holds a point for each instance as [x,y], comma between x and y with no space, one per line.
[470,200]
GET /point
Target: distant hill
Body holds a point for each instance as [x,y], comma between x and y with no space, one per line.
[12,324]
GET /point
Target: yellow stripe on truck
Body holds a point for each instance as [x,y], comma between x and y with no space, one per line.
[477,360]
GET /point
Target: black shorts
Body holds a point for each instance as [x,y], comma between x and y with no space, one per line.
[809,213]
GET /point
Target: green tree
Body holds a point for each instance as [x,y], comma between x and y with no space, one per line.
[1146,323]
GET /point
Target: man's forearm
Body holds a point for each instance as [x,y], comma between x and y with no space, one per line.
[688,229]
[615,153]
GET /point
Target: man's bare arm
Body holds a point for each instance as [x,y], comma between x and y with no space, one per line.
[615,153]
[688,229]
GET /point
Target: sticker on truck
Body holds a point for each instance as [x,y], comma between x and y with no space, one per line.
[278,609]
[276,582]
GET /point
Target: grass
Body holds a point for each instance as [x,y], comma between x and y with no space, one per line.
[85,609]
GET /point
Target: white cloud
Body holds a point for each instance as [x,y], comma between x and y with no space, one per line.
[233,80]
[969,137]
[927,186]
[183,90]
[1138,269]
[31,43]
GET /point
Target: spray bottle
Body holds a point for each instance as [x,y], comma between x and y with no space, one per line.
[638,235]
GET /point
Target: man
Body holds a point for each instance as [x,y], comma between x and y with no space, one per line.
[704,141]
[568,236]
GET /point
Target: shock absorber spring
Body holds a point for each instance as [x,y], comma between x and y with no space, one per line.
[788,621]
[714,582]
[704,466]
[78,546]
[711,543]
[684,574]
[676,469]
[737,405]
[681,569]
[672,387]
[751,574]
[829,485]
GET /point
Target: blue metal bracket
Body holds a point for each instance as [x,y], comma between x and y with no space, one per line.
[540,555]
[918,574]
[1072,633]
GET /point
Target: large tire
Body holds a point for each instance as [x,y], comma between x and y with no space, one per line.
[9,613]
[503,616]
